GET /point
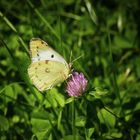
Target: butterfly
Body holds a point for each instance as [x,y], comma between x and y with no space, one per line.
[48,68]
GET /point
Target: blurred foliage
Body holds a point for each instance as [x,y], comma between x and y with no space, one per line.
[106,34]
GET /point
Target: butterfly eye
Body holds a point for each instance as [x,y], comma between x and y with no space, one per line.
[52,56]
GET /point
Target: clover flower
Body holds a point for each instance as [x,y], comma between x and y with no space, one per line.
[77,84]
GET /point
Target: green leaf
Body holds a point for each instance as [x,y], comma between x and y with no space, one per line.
[89,133]
[41,124]
[113,133]
[70,137]
[39,114]
[4,124]
[99,92]
[138,137]
[106,118]
[80,121]
[59,97]
[10,93]
[69,100]
[51,98]
[137,107]
[121,42]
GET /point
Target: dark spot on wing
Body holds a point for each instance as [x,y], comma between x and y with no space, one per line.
[52,56]
[37,54]
[46,61]
[38,78]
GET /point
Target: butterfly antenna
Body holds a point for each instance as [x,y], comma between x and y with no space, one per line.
[70,56]
[77,58]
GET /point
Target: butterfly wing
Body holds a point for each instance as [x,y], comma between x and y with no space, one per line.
[46,74]
[40,50]
[48,68]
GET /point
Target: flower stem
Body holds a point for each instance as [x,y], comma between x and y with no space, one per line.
[73,120]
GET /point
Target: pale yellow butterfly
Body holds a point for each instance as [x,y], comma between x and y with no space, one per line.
[48,68]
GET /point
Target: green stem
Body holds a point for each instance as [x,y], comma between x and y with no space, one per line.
[117,92]
[73,120]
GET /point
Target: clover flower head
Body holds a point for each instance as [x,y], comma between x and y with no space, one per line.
[77,84]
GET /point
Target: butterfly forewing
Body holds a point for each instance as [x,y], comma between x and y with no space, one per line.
[40,50]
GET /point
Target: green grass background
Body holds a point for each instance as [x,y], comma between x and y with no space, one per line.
[106,34]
